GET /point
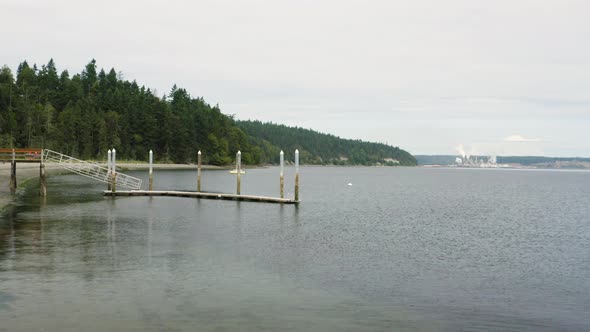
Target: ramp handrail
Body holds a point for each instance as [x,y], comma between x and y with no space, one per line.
[21,155]
[90,170]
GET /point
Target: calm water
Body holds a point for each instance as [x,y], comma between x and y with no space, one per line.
[402,249]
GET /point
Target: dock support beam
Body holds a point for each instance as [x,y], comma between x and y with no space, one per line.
[239,170]
[296,175]
[199,161]
[282,181]
[151,186]
[13,173]
[42,180]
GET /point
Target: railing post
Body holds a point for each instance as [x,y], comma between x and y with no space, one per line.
[151,186]
[282,180]
[13,173]
[297,175]
[199,161]
[238,169]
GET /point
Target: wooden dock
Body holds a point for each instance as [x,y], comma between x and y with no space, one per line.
[113,178]
[194,194]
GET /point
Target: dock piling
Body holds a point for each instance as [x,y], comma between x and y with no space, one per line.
[42,180]
[199,161]
[151,185]
[296,175]
[114,170]
[282,181]
[13,173]
[109,169]
[239,170]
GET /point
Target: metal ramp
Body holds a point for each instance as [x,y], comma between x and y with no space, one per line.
[90,170]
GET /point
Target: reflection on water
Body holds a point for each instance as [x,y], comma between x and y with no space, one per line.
[402,249]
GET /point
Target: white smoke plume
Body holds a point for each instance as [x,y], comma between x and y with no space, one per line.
[461,150]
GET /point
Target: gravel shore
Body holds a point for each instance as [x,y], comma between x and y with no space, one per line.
[26,171]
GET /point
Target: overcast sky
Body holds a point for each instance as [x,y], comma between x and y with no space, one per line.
[498,77]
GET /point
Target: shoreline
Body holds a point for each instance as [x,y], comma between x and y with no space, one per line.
[29,171]
[24,173]
[133,166]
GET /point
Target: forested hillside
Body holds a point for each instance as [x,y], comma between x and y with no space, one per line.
[85,114]
[319,148]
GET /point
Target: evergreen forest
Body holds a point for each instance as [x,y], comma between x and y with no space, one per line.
[321,149]
[85,114]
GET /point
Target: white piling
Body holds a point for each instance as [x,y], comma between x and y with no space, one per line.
[109,169]
[114,170]
[239,170]
[151,185]
[282,180]
[297,175]
[199,161]
[114,161]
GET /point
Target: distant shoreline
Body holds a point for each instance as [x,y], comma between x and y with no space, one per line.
[144,166]
[511,167]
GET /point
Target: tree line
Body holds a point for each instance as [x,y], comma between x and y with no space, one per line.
[85,114]
[321,149]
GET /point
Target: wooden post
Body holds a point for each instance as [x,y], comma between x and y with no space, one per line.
[114,170]
[151,171]
[297,175]
[282,182]
[109,169]
[199,161]
[13,173]
[42,180]
[238,169]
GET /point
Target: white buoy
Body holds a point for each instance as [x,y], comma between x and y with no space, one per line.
[350,184]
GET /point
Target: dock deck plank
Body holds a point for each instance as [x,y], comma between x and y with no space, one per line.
[194,194]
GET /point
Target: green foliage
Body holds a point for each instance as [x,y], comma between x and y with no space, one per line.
[319,148]
[86,114]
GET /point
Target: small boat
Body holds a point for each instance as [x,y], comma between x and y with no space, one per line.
[235,171]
